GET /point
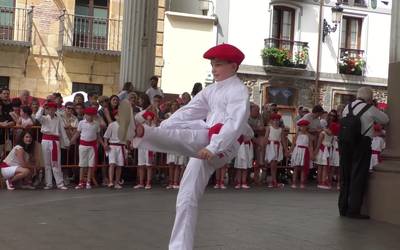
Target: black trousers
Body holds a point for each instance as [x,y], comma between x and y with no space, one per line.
[354,172]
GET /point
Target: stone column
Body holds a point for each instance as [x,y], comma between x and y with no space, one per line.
[383,198]
[137,40]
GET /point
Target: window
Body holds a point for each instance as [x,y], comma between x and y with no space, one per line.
[357,2]
[87,87]
[4,82]
[283,26]
[6,19]
[91,24]
[342,99]
[351,32]
[281,96]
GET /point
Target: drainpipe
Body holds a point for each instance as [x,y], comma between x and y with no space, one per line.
[317,73]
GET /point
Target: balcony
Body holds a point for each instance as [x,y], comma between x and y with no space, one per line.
[285,53]
[89,34]
[357,3]
[16,26]
[351,62]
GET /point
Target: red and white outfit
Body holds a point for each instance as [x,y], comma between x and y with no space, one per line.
[54,137]
[301,152]
[11,163]
[186,132]
[245,154]
[274,149]
[118,153]
[323,157]
[378,145]
[335,158]
[88,143]
[176,159]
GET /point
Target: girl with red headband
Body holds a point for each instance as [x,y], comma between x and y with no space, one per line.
[378,145]
[301,154]
[276,147]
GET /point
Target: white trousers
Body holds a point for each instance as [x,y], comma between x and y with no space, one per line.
[52,167]
[195,178]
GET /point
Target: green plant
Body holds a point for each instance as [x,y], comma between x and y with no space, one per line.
[301,56]
[353,65]
[279,56]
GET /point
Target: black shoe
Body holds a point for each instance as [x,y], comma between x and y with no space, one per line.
[358,216]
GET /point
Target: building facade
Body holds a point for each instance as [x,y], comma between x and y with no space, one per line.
[60,45]
[280,39]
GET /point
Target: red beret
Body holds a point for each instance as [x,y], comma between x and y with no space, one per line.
[276,117]
[334,127]
[377,127]
[225,52]
[90,111]
[303,123]
[148,114]
[51,105]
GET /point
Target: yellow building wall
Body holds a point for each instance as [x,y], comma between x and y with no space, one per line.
[42,69]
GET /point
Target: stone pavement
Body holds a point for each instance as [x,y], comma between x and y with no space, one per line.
[253,219]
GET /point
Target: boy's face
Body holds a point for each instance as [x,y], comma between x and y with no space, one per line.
[222,70]
[79,110]
[51,111]
[89,118]
[93,99]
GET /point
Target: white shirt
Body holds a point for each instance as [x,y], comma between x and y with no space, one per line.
[368,118]
[52,126]
[112,133]
[89,130]
[12,159]
[224,102]
[151,92]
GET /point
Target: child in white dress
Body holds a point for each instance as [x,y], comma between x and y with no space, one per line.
[301,157]
[378,145]
[145,156]
[335,158]
[243,161]
[322,156]
[276,147]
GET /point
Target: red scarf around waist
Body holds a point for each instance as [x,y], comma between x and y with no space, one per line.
[54,139]
[92,144]
[378,153]
[306,159]
[122,148]
[4,165]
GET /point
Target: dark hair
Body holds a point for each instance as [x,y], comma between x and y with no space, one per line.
[110,108]
[79,94]
[16,103]
[27,147]
[27,110]
[69,104]
[128,86]
[197,87]
[92,93]
[146,100]
[317,109]
[155,78]
[57,95]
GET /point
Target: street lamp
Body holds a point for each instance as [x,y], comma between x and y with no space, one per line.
[337,13]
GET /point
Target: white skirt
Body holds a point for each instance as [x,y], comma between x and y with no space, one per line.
[8,172]
[175,159]
[143,157]
[273,152]
[374,161]
[244,158]
[298,157]
[335,159]
[323,157]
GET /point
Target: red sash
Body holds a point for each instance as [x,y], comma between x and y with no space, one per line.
[122,148]
[54,151]
[215,130]
[378,153]
[4,165]
[306,159]
[92,144]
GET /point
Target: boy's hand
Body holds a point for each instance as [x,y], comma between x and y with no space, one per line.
[205,154]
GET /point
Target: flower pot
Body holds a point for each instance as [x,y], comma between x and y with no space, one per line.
[301,66]
[269,60]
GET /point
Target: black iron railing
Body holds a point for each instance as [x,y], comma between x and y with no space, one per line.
[16,24]
[89,32]
[280,52]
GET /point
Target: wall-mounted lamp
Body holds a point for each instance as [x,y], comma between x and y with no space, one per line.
[337,13]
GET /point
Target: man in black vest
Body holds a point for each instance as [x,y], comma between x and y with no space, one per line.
[355,160]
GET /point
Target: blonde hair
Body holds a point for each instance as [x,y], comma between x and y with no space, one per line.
[365,93]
